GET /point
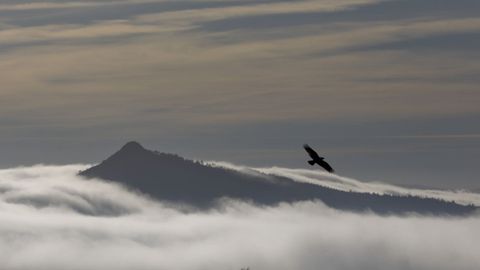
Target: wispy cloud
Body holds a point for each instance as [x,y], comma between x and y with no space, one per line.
[438,136]
[254,67]
[46,5]
[348,184]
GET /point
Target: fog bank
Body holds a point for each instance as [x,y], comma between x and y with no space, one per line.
[52,219]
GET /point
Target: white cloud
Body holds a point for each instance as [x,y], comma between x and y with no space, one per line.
[348,184]
[149,235]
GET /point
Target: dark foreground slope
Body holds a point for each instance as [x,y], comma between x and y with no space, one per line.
[175,179]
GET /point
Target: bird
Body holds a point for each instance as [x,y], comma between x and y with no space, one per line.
[316,159]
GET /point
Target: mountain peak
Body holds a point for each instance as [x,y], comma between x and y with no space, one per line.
[130,154]
[132,146]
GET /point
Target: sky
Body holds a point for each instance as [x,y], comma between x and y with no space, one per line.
[385,90]
[53,219]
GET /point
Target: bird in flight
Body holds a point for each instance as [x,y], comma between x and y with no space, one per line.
[316,159]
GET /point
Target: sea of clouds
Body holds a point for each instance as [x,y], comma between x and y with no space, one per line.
[52,219]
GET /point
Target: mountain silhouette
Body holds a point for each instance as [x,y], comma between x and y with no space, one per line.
[169,177]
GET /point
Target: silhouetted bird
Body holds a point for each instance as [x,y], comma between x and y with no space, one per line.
[317,159]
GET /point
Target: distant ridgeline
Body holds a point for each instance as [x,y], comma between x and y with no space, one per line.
[172,178]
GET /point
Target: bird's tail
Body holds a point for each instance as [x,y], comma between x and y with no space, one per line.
[311,162]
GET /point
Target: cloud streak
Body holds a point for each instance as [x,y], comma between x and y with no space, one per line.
[233,73]
[349,184]
[146,234]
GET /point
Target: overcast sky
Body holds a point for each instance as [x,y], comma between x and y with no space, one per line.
[386,90]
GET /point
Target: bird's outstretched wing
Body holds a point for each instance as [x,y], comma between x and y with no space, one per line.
[325,165]
[311,152]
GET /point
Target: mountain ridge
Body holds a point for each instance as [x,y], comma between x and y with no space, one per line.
[169,177]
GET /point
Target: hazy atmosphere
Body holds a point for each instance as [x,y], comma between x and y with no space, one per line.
[239,134]
[388,90]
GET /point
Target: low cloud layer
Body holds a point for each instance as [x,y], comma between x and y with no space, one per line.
[349,184]
[51,219]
